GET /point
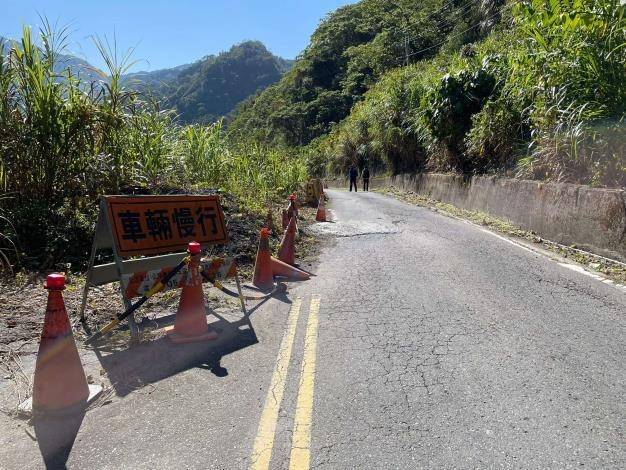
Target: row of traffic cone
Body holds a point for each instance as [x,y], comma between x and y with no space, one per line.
[59,385]
[267,267]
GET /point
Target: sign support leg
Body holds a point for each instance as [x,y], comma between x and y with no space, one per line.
[92,259]
[134,336]
[241,299]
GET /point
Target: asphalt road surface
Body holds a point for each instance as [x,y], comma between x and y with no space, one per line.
[423,342]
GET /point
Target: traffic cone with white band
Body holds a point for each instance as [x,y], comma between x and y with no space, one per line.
[191,324]
[59,385]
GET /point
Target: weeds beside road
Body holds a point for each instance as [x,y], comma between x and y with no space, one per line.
[65,142]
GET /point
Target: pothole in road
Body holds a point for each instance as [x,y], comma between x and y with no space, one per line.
[351,229]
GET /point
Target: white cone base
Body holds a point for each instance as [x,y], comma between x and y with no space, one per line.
[26,407]
[180,339]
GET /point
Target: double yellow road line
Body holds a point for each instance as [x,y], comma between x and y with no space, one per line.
[301,440]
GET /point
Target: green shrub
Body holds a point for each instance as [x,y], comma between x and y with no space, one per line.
[64,143]
[449,107]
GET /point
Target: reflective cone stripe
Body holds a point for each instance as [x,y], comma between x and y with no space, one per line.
[191,324]
[59,380]
[286,250]
[139,283]
[321,210]
[284,270]
[263,278]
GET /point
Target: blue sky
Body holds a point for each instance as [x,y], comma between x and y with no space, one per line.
[169,33]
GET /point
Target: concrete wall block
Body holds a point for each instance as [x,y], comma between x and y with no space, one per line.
[594,219]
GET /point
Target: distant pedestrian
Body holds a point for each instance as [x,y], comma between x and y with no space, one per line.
[353,174]
[366,178]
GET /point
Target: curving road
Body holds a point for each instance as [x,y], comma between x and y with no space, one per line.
[442,346]
[423,342]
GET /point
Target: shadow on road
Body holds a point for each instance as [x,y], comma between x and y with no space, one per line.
[152,361]
[55,437]
[130,369]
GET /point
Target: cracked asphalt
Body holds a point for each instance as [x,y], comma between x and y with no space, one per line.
[437,346]
[441,346]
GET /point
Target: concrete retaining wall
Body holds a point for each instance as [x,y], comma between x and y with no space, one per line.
[593,219]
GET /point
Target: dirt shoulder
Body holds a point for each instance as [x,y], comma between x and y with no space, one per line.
[23,299]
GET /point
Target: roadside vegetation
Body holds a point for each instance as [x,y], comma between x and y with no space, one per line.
[524,88]
[65,141]
[520,88]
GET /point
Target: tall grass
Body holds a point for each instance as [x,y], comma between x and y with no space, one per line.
[64,142]
[542,97]
[572,69]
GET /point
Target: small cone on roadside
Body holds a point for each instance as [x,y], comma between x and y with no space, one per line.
[263,277]
[285,219]
[321,210]
[290,272]
[292,210]
[293,203]
[287,249]
[59,384]
[191,324]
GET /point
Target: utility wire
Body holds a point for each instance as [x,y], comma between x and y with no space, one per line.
[407,40]
[465,7]
[500,11]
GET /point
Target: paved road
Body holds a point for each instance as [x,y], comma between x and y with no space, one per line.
[424,342]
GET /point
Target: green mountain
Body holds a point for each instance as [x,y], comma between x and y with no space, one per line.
[203,91]
[213,86]
[350,50]
[529,88]
[159,81]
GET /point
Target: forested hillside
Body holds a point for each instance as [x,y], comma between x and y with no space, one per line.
[530,88]
[212,87]
[66,139]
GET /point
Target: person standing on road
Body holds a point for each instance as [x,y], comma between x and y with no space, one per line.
[353,174]
[365,174]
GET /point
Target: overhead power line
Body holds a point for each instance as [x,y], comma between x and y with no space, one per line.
[465,8]
[499,12]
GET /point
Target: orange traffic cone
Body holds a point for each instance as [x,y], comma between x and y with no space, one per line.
[285,219]
[293,205]
[286,250]
[321,210]
[263,278]
[292,210]
[59,385]
[284,270]
[191,324]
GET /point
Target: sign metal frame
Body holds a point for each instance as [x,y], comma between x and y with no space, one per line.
[105,238]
